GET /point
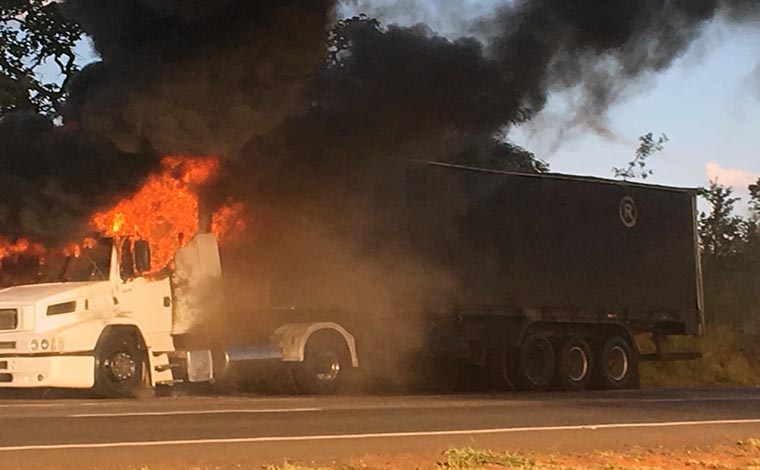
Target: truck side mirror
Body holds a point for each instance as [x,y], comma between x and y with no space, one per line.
[142,256]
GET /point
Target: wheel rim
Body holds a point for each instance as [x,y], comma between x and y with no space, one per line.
[617,363]
[577,364]
[121,366]
[327,366]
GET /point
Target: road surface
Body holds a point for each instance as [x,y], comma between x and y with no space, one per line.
[194,431]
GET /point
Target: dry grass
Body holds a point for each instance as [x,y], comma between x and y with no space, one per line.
[730,357]
[745,455]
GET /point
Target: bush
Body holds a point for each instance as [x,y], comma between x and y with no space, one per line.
[731,356]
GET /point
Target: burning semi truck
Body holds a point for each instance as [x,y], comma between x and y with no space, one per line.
[556,275]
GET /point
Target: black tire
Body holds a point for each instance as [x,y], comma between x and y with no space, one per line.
[498,364]
[575,365]
[324,368]
[120,361]
[617,366]
[535,371]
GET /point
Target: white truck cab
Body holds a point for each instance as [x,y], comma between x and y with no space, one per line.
[95,321]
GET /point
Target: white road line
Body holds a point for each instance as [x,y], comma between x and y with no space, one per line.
[31,405]
[337,437]
[693,400]
[193,412]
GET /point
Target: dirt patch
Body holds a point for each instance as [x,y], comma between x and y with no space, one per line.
[744,455]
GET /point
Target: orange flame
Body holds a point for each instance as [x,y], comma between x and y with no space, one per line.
[21,246]
[164,211]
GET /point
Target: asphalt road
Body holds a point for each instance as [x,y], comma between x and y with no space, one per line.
[192,431]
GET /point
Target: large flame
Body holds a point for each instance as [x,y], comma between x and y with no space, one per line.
[164,211]
[21,246]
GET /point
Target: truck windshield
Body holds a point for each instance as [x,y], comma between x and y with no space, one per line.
[92,264]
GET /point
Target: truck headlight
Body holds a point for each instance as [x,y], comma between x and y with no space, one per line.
[34,345]
[44,344]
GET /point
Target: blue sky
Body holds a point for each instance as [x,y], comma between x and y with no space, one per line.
[707,103]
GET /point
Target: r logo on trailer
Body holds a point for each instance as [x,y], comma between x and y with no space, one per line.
[629,214]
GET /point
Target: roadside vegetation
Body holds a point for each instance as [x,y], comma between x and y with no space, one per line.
[743,455]
[480,459]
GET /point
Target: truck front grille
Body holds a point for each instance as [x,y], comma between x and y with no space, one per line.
[8,319]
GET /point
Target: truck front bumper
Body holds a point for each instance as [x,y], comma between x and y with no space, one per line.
[47,371]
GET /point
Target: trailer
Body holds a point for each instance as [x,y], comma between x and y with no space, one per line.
[558,275]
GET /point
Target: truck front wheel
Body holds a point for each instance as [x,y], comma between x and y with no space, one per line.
[119,366]
[323,369]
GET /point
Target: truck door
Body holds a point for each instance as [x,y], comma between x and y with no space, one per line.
[141,294]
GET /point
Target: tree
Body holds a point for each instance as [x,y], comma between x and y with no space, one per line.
[720,229]
[34,35]
[731,258]
[754,202]
[637,168]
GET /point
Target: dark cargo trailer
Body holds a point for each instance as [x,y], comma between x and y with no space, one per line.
[561,272]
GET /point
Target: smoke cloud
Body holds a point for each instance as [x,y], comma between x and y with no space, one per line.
[197,77]
[53,177]
[304,107]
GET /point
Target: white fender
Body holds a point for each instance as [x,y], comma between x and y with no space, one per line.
[292,339]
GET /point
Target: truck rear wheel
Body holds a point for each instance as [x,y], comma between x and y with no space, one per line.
[323,369]
[536,367]
[119,366]
[574,364]
[498,369]
[618,367]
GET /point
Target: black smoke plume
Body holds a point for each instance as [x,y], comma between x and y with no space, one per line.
[199,77]
[53,177]
[319,115]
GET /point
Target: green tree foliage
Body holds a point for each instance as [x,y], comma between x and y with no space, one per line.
[731,258]
[637,168]
[754,203]
[35,36]
[720,230]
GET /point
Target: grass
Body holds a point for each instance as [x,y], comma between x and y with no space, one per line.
[750,443]
[730,357]
[478,459]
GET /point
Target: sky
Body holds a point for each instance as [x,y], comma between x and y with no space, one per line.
[708,104]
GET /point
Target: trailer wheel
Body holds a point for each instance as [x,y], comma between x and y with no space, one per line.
[575,364]
[119,366]
[498,364]
[323,369]
[536,363]
[618,366]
